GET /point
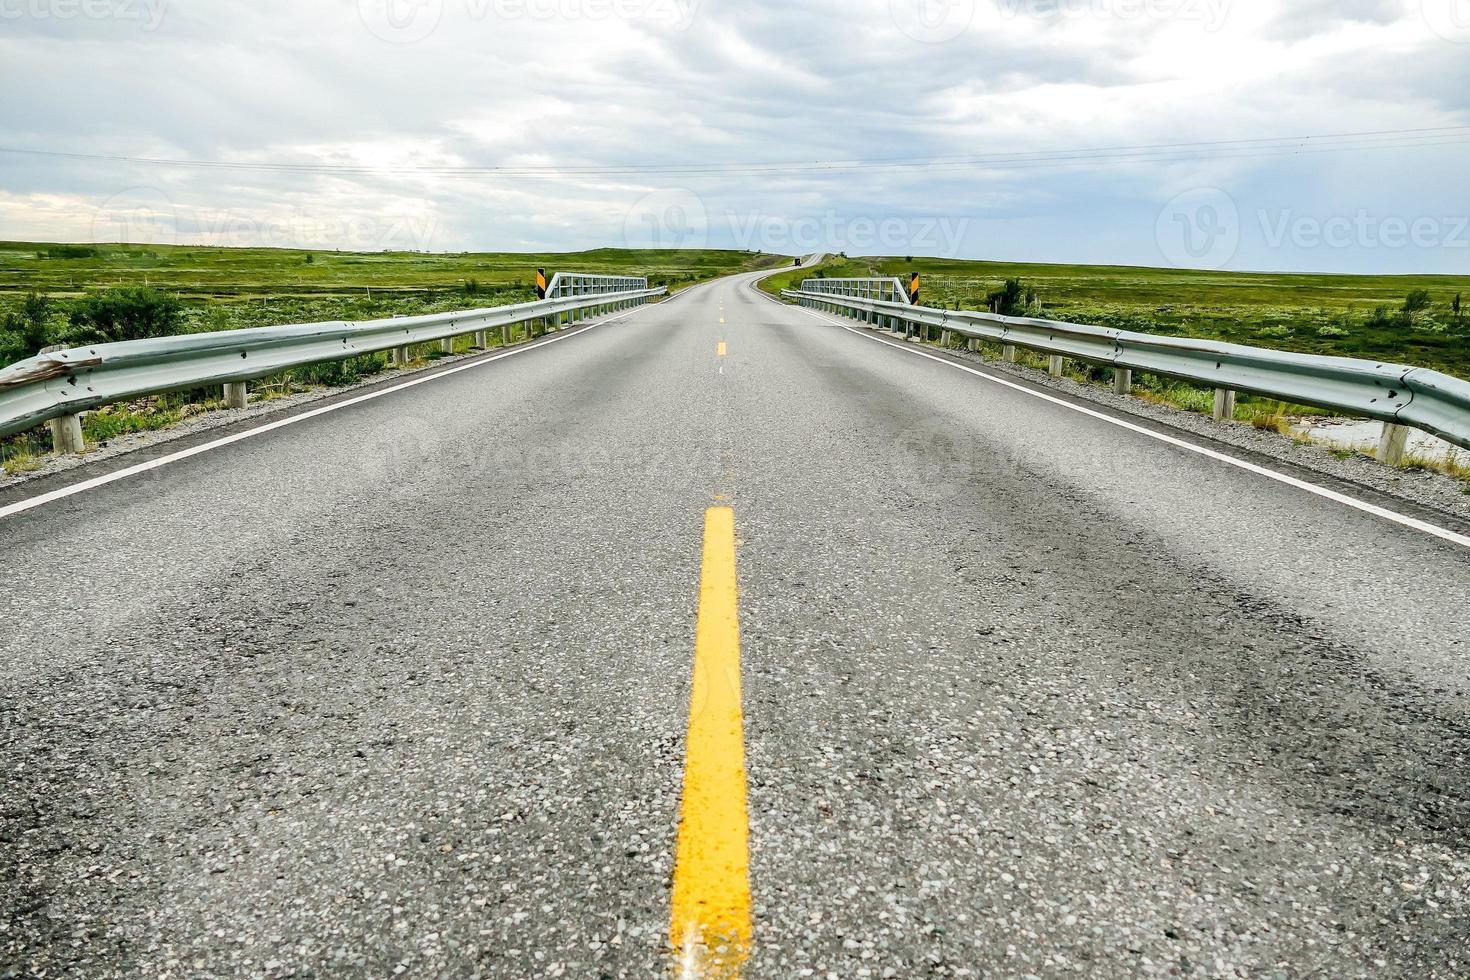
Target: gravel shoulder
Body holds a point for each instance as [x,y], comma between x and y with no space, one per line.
[1422,488]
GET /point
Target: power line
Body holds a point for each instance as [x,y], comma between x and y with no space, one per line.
[1141,153]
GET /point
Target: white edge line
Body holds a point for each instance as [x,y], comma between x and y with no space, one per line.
[1444,534]
[62,493]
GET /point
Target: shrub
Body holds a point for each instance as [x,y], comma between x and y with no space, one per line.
[1382,319]
[126,313]
[26,332]
[1417,302]
[1012,299]
[70,252]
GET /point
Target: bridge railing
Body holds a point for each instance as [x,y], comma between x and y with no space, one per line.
[889,289]
[1396,394]
[60,384]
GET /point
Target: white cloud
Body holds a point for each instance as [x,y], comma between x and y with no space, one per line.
[604,83]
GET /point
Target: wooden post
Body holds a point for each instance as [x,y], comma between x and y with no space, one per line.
[66,435]
[1224,404]
[1393,444]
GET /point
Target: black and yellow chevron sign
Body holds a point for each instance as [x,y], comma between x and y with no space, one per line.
[540,283]
[914,288]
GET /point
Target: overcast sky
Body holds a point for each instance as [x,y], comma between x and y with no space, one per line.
[1002,104]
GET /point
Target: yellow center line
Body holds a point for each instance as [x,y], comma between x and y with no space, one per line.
[709,931]
[720,350]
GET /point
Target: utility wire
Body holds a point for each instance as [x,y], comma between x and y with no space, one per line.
[1001,160]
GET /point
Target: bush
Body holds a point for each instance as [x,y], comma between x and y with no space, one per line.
[26,332]
[126,313]
[1013,299]
[70,252]
[1417,302]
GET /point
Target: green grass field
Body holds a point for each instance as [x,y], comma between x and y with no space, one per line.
[1316,314]
[227,288]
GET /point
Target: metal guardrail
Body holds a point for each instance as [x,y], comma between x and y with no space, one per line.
[565,284]
[63,383]
[1392,393]
[890,289]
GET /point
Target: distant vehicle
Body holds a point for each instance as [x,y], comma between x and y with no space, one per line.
[798,262]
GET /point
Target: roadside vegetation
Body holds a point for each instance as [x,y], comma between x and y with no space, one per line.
[1416,320]
[79,294]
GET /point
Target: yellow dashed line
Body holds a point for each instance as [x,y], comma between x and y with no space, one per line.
[710,930]
[720,350]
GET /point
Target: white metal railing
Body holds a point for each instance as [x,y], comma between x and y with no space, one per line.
[1396,394]
[63,383]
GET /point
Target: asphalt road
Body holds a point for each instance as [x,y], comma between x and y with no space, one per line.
[403,689]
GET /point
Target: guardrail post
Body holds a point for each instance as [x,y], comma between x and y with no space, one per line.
[505,329]
[1224,404]
[974,344]
[1393,444]
[482,341]
[1055,364]
[66,435]
[447,345]
[236,395]
[400,356]
[1122,381]
[1008,353]
[944,338]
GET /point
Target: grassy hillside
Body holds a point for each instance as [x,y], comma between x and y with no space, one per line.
[1354,316]
[226,288]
